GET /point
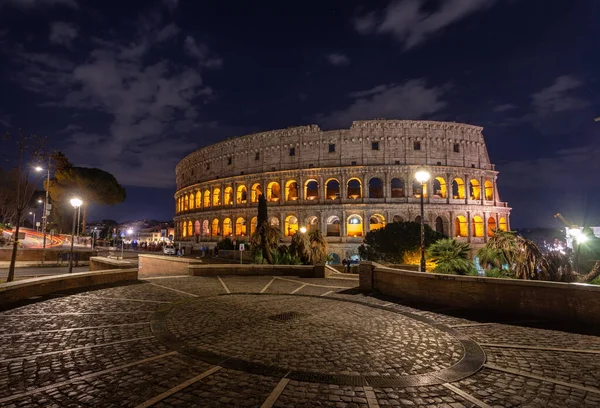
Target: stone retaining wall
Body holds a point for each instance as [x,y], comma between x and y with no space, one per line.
[102,263]
[164,265]
[547,300]
[306,271]
[21,290]
[51,255]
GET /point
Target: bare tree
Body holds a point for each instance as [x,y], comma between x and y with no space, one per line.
[29,150]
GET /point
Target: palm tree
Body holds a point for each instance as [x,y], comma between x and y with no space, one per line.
[264,240]
[300,247]
[451,256]
[523,256]
[318,248]
[559,267]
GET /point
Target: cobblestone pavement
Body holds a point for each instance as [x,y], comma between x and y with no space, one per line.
[234,341]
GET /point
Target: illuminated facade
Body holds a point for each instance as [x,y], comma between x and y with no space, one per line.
[343,182]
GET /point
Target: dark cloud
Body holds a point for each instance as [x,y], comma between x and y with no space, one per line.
[62,33]
[338,59]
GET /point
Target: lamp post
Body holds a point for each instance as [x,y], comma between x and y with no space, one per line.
[76,203]
[33,214]
[45,214]
[303,230]
[422,177]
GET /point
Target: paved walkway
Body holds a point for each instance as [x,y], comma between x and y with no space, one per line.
[280,342]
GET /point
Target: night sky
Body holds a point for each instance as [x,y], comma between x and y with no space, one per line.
[133,86]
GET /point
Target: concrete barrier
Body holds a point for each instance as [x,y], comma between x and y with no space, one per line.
[20,290]
[102,263]
[306,271]
[547,300]
[50,254]
[164,265]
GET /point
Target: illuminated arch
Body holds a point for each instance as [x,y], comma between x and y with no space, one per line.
[397,218]
[376,221]
[333,226]
[291,225]
[491,226]
[332,189]
[475,189]
[216,197]
[198,199]
[197,227]
[477,226]
[291,190]
[183,229]
[241,195]
[439,187]
[227,227]
[215,229]
[206,198]
[205,229]
[190,230]
[273,191]
[354,189]
[458,188]
[418,188]
[375,188]
[192,201]
[178,204]
[256,191]
[240,227]
[274,222]
[228,196]
[489,190]
[186,202]
[253,222]
[311,190]
[312,224]
[354,226]
[398,188]
[503,224]
[460,226]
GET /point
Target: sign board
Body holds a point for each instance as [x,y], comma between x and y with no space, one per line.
[163,232]
[242,247]
[122,234]
[37,224]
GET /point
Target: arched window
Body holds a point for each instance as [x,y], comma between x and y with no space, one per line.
[184,229]
[458,188]
[503,224]
[418,188]
[397,218]
[398,188]
[256,191]
[311,190]
[197,227]
[253,222]
[312,224]
[460,226]
[216,197]
[475,189]
[178,204]
[418,219]
[375,188]
[376,221]
[215,230]
[439,188]
[354,188]
[206,198]
[489,190]
[291,190]
[332,189]
[227,230]
[291,225]
[333,226]
[274,222]
[205,229]
[192,201]
[186,204]
[228,196]
[439,225]
[241,195]
[354,226]
[273,191]
[477,226]
[240,227]
[491,226]
[198,199]
[190,231]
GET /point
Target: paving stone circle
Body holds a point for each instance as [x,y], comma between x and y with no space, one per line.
[311,338]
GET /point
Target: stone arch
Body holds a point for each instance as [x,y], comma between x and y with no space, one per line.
[440,189]
[333,226]
[205,228]
[311,189]
[227,227]
[354,188]
[491,226]
[241,194]
[477,226]
[215,229]
[186,203]
[184,229]
[256,191]
[291,190]
[418,219]
[190,229]
[228,196]
[439,225]
[503,224]
[418,188]
[253,222]
[458,188]
[273,191]
[398,218]
[460,226]
[216,197]
[312,224]
[488,187]
[375,187]
[354,226]
[274,222]
[376,221]
[206,198]
[332,189]
[474,189]
[198,199]
[192,201]
[240,227]
[197,227]
[291,225]
[398,188]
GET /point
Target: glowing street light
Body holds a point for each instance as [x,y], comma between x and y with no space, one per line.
[45,213]
[422,177]
[303,230]
[76,203]
[33,214]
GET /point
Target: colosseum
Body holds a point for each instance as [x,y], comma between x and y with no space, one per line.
[343,182]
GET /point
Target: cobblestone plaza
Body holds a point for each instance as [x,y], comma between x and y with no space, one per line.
[281,342]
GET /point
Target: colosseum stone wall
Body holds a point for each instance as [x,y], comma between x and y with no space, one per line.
[343,182]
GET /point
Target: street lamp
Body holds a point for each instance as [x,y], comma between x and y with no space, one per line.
[33,214]
[303,230]
[76,203]
[422,177]
[45,213]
